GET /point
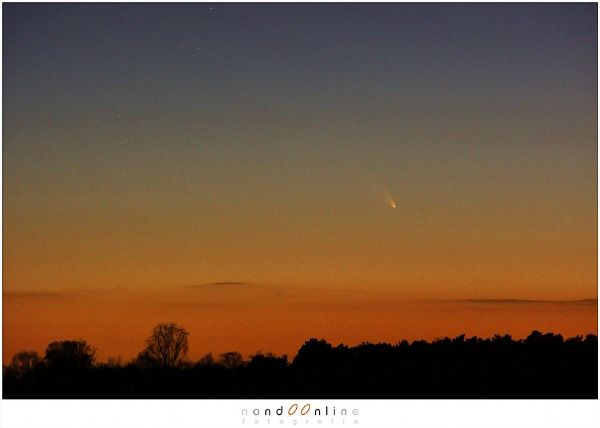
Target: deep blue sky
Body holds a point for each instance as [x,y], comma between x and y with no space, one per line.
[96,57]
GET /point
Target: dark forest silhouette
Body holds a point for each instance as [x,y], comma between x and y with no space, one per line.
[539,366]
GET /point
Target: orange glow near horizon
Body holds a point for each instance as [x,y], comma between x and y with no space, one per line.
[249,318]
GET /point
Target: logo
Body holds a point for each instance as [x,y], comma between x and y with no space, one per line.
[295,414]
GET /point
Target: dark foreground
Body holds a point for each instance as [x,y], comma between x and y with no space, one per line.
[540,366]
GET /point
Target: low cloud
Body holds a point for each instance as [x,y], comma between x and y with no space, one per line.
[224,284]
[31,295]
[531,301]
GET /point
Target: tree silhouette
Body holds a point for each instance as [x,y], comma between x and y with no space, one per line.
[542,365]
[313,352]
[206,360]
[266,362]
[167,346]
[69,354]
[231,360]
[25,361]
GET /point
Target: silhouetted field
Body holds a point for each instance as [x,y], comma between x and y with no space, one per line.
[540,366]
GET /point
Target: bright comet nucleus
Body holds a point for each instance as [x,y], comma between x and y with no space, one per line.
[391,202]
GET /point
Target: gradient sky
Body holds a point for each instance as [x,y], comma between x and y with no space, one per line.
[155,154]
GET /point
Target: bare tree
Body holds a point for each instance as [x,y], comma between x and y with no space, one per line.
[168,345]
[206,360]
[231,360]
[70,354]
[24,361]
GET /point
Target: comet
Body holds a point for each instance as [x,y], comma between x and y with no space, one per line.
[391,203]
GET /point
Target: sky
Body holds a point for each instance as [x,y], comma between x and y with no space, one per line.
[382,170]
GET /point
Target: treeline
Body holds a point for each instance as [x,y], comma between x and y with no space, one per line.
[539,366]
